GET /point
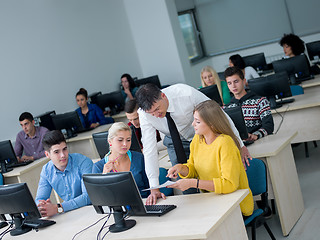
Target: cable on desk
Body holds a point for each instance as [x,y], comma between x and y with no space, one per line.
[89,226]
[282,118]
[6,231]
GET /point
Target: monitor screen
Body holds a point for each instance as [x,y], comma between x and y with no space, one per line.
[69,121]
[221,76]
[272,86]
[235,113]
[297,68]
[116,190]
[7,156]
[257,61]
[212,92]
[17,204]
[113,100]
[45,120]
[313,49]
[93,97]
[152,79]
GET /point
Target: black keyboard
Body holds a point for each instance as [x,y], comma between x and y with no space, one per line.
[38,223]
[159,209]
[19,164]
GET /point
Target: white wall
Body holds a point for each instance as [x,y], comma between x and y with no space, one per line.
[49,49]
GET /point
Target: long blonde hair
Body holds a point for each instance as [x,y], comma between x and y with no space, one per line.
[212,114]
[215,76]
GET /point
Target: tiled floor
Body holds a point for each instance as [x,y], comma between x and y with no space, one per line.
[308,226]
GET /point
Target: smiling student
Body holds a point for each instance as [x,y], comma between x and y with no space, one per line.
[63,173]
[215,163]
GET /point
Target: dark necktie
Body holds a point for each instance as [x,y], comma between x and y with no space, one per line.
[177,143]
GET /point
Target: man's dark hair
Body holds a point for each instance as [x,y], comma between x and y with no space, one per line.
[26,115]
[52,138]
[147,95]
[132,84]
[237,61]
[296,44]
[131,106]
[230,71]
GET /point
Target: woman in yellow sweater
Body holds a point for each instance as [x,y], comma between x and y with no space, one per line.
[214,163]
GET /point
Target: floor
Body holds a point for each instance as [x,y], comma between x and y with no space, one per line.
[308,226]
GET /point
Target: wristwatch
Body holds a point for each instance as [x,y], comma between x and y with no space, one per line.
[60,208]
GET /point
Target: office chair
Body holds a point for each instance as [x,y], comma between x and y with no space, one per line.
[162,179]
[257,177]
[101,141]
[298,90]
[1,179]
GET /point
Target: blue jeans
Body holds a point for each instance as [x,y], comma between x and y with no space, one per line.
[167,141]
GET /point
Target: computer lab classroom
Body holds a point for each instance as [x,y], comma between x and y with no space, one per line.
[50,49]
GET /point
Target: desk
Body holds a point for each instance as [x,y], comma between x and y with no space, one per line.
[302,115]
[311,83]
[83,143]
[29,174]
[276,151]
[197,216]
[120,117]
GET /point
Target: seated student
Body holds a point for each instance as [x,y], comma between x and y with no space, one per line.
[292,45]
[210,77]
[248,71]
[91,115]
[128,87]
[29,140]
[214,163]
[131,109]
[63,173]
[256,109]
[121,159]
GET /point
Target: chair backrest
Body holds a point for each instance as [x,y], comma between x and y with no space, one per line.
[1,179]
[296,90]
[101,141]
[257,176]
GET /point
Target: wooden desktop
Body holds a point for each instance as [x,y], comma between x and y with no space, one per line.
[197,216]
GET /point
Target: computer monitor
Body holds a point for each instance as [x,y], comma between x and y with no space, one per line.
[257,61]
[236,115]
[119,192]
[93,97]
[297,68]
[273,87]
[113,100]
[313,49]
[45,120]
[17,204]
[221,76]
[7,156]
[152,79]
[212,92]
[69,121]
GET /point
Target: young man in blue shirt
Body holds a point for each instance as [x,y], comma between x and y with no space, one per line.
[64,174]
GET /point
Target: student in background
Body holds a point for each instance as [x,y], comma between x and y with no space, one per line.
[215,163]
[128,87]
[248,71]
[29,140]
[131,109]
[256,109]
[292,45]
[63,173]
[121,159]
[210,77]
[91,115]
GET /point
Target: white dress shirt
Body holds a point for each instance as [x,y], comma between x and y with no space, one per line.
[182,101]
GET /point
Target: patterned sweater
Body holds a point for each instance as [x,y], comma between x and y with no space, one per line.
[256,112]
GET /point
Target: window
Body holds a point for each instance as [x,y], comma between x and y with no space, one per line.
[191,35]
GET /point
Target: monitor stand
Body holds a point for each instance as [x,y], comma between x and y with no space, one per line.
[4,168]
[20,228]
[120,224]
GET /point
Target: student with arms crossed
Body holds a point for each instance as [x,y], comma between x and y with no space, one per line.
[91,115]
[29,140]
[121,159]
[255,109]
[179,100]
[215,163]
[63,173]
